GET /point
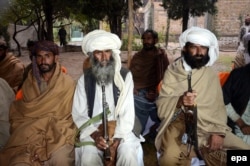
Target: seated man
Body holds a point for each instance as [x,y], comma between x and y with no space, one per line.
[105,86]
[243,57]
[190,106]
[11,68]
[6,98]
[236,94]
[42,129]
[148,67]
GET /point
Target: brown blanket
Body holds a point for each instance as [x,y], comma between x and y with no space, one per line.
[148,68]
[40,123]
[11,70]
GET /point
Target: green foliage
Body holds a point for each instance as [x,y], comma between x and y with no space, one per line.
[225,61]
[100,9]
[176,8]
[136,44]
[161,37]
[112,11]
[42,13]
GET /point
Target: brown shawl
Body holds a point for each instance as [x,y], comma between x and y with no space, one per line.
[148,67]
[12,69]
[41,123]
[212,116]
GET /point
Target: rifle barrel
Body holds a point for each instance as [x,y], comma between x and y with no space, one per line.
[106,154]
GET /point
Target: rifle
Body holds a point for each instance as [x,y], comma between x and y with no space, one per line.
[106,154]
[191,123]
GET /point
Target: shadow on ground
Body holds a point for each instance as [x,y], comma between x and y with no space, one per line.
[149,151]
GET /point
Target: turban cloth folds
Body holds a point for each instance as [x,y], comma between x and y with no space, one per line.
[202,37]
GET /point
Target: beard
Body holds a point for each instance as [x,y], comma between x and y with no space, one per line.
[45,68]
[195,61]
[103,71]
[147,46]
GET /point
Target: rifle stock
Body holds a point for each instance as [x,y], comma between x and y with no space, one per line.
[106,154]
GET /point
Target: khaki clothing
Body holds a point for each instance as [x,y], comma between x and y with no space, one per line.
[41,123]
[211,112]
[12,69]
[239,59]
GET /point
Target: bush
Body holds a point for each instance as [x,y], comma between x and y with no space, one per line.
[136,44]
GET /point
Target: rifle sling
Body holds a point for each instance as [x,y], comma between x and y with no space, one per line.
[95,119]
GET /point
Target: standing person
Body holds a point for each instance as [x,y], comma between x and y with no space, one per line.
[7,96]
[243,30]
[242,57]
[147,67]
[211,136]
[236,94]
[42,129]
[11,68]
[62,36]
[105,77]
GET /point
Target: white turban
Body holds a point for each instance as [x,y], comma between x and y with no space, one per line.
[202,37]
[103,40]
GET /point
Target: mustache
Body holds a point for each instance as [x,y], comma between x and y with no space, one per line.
[199,55]
[103,72]
[44,65]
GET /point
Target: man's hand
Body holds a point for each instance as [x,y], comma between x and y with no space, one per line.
[215,142]
[188,98]
[35,158]
[99,140]
[245,129]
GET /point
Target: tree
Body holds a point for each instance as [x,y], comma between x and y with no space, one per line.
[41,13]
[113,11]
[88,24]
[177,9]
[17,14]
[130,30]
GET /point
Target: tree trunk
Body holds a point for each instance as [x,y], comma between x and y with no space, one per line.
[115,25]
[167,32]
[17,43]
[185,18]
[48,11]
[130,30]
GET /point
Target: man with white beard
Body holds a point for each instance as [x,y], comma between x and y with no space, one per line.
[106,78]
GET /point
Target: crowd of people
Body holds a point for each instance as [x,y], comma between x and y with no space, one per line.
[100,118]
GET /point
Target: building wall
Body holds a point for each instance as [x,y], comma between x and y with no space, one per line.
[230,16]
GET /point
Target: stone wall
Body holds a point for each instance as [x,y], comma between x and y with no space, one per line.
[230,17]
[225,24]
